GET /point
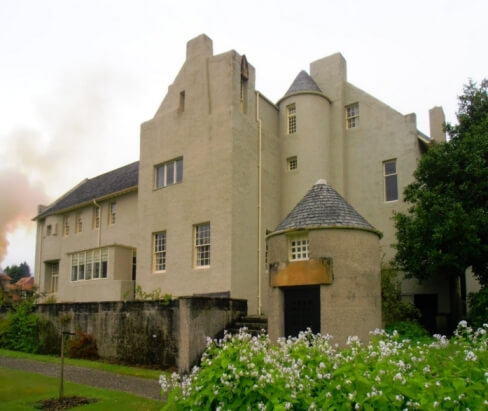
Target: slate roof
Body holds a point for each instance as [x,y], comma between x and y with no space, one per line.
[322,206]
[303,82]
[101,186]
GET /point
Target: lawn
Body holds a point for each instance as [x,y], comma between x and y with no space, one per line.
[98,365]
[20,390]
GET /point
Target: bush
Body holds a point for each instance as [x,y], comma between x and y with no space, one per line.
[18,331]
[309,372]
[48,338]
[393,308]
[478,307]
[83,346]
[408,330]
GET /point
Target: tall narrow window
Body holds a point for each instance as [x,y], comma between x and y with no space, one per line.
[96,217]
[298,247]
[391,180]
[113,211]
[79,223]
[66,225]
[292,163]
[89,265]
[159,251]
[74,267]
[169,173]
[202,245]
[49,229]
[104,267]
[352,115]
[54,277]
[181,107]
[292,118]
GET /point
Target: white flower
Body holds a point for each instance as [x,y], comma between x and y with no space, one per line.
[471,356]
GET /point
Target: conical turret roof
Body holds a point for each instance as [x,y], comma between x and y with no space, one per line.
[303,82]
[322,206]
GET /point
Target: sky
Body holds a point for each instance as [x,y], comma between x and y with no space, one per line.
[77,78]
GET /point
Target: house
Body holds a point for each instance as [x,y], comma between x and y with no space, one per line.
[220,167]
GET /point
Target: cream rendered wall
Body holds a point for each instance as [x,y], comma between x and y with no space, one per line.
[60,247]
[202,135]
[383,134]
[310,144]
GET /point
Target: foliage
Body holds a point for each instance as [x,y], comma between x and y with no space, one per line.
[478,307]
[83,345]
[16,272]
[411,330]
[155,295]
[48,338]
[446,228]
[308,372]
[18,331]
[392,306]
[51,299]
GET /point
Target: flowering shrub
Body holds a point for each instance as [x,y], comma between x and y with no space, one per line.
[309,372]
[83,345]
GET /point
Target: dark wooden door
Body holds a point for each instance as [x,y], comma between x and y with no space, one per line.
[302,309]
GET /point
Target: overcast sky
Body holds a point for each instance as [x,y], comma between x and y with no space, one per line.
[77,78]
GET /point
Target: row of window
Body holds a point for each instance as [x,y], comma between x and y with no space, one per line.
[201,247]
[51,229]
[89,265]
[351,113]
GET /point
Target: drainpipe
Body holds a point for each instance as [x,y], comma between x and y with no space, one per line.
[259,202]
[99,222]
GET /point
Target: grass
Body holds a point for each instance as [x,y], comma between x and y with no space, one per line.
[20,390]
[98,365]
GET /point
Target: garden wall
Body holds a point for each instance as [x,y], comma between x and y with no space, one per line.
[169,334]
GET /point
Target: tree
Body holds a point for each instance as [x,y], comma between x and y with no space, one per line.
[16,272]
[446,228]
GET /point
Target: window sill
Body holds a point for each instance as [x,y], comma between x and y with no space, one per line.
[201,267]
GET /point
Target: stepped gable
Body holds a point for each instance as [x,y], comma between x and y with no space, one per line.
[322,206]
[101,186]
[303,82]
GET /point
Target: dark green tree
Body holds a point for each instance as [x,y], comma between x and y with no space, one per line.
[445,230]
[16,272]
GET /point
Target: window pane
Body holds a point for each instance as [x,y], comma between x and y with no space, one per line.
[391,188]
[160,177]
[179,170]
[170,170]
[390,167]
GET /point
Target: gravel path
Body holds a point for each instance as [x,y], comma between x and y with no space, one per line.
[140,386]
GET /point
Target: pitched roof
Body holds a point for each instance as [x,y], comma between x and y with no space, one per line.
[303,82]
[98,187]
[322,206]
[25,283]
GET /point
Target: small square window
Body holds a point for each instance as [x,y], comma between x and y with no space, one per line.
[292,163]
[352,115]
[298,247]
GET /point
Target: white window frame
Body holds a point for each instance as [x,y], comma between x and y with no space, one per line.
[389,176]
[159,251]
[201,244]
[66,225]
[78,223]
[112,215]
[298,247]
[97,259]
[352,115]
[291,118]
[54,277]
[173,168]
[292,163]
[96,217]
